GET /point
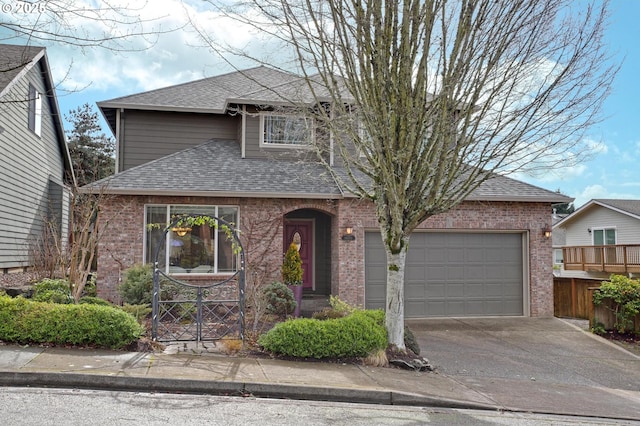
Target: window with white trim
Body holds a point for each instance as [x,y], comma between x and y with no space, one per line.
[190,249]
[557,256]
[35,110]
[604,236]
[286,130]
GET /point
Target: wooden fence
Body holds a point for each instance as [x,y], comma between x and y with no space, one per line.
[573,298]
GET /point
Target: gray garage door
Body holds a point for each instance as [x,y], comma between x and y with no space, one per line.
[452,274]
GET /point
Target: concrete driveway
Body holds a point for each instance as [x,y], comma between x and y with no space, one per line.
[533,363]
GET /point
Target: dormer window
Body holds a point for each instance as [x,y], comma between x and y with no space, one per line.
[286,129]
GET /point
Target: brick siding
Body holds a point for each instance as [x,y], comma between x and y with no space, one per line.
[261,225]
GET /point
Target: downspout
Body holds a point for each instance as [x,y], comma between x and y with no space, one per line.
[331,138]
[117,165]
[243,137]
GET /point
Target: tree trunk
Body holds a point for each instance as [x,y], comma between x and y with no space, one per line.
[394,317]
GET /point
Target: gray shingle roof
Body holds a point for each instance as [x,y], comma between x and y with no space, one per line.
[211,94]
[503,188]
[216,168]
[13,60]
[631,207]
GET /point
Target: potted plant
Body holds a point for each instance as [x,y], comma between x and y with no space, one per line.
[292,275]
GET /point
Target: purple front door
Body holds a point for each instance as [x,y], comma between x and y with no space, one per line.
[304,228]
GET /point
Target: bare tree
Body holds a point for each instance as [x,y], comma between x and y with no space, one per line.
[61,22]
[430,98]
[106,24]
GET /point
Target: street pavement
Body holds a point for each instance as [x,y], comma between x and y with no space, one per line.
[507,364]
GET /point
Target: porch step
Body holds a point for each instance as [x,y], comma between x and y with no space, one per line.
[313,303]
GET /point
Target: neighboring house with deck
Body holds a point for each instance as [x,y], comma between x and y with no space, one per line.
[34,160]
[601,237]
[218,147]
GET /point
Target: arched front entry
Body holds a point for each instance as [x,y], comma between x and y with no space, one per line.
[312,230]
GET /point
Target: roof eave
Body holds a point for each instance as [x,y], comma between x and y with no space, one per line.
[169,108]
[57,117]
[522,199]
[231,194]
[586,207]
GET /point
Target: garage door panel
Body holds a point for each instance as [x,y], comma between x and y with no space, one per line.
[474,291]
[434,309]
[435,290]
[454,290]
[453,274]
[415,291]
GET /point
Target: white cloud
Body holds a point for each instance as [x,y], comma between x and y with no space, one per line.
[596,147]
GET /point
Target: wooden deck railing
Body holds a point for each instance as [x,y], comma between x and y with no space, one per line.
[613,258]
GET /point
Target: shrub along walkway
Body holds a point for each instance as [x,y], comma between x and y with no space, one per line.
[203,369]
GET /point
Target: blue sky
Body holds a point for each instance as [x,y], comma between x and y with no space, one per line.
[90,75]
[614,170]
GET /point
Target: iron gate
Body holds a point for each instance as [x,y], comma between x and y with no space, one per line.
[183,311]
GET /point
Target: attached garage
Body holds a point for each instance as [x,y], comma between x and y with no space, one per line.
[453,274]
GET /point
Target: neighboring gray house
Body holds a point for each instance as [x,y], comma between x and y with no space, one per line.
[601,237]
[34,160]
[217,146]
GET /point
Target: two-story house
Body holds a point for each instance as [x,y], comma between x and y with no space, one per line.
[217,146]
[34,161]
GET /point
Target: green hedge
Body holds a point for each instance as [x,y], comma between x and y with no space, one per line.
[356,335]
[24,321]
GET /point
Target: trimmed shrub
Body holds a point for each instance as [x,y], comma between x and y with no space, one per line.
[279,297]
[52,291]
[25,321]
[139,312]
[91,300]
[624,292]
[137,286]
[356,335]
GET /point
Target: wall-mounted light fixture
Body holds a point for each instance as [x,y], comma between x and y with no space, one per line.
[181,231]
[348,234]
[546,232]
[589,230]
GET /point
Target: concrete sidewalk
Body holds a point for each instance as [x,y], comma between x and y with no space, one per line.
[203,370]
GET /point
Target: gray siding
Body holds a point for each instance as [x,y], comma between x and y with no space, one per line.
[254,150]
[27,165]
[149,135]
[627,228]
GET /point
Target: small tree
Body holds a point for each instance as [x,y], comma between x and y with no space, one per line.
[292,266]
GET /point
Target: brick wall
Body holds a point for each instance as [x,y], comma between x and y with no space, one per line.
[507,216]
[261,223]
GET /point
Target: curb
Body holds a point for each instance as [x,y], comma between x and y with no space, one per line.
[212,387]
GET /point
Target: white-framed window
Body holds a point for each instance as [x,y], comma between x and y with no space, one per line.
[557,256]
[35,110]
[189,250]
[604,236]
[286,130]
